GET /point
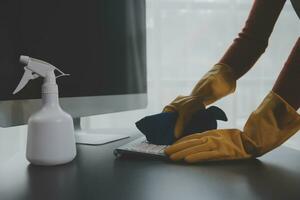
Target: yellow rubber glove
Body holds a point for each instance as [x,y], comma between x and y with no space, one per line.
[271,124]
[215,84]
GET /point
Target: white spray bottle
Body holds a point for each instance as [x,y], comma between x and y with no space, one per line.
[50,139]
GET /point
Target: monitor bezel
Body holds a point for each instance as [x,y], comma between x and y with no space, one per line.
[17,112]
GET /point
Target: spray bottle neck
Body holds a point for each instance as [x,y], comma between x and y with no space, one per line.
[50,90]
[50,99]
[49,85]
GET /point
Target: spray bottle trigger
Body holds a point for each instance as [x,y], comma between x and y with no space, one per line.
[34,76]
[27,76]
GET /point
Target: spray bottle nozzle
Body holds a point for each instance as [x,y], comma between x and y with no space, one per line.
[36,68]
[24,60]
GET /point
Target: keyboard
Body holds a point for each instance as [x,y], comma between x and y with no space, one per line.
[141,146]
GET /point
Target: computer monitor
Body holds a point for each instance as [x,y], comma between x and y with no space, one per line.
[101,43]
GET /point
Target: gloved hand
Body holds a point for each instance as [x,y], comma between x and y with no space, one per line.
[215,84]
[271,124]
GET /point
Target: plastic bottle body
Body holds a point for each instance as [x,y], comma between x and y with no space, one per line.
[50,139]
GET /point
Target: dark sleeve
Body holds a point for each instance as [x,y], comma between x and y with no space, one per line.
[288,82]
[253,40]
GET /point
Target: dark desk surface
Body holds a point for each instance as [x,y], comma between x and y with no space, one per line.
[97,174]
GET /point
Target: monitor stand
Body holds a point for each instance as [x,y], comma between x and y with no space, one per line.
[95,136]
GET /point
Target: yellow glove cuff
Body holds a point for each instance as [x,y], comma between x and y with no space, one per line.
[215,84]
[271,124]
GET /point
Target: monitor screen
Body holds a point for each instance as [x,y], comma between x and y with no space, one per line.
[101,43]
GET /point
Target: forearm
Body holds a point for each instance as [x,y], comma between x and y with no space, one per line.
[242,54]
[253,40]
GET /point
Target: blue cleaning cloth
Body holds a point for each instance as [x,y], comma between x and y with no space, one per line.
[159,128]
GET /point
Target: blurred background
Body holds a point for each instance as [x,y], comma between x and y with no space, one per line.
[185,38]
